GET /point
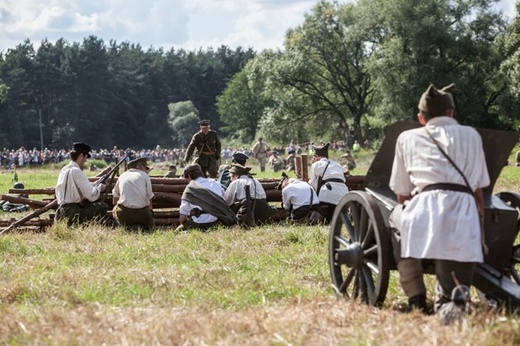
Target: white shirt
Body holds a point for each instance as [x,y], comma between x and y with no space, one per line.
[134,189]
[186,206]
[298,194]
[236,191]
[334,171]
[440,224]
[77,185]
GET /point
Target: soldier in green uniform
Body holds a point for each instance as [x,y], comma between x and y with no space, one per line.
[208,147]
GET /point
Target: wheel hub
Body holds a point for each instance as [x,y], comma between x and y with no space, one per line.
[351,255]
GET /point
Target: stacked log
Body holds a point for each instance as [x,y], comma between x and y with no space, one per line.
[167,198]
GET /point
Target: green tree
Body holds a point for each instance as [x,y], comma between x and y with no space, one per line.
[183,119]
[439,41]
[242,104]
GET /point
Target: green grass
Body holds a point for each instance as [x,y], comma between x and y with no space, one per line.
[265,286]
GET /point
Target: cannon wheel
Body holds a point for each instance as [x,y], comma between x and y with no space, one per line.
[513,200]
[359,249]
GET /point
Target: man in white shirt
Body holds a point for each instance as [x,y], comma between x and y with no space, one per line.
[327,179]
[132,197]
[235,195]
[76,195]
[298,198]
[202,203]
[441,219]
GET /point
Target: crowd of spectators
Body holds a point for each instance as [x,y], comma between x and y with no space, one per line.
[23,157]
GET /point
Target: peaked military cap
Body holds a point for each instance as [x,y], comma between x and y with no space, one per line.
[82,148]
[238,169]
[435,101]
[193,167]
[322,151]
[240,158]
[204,123]
[138,162]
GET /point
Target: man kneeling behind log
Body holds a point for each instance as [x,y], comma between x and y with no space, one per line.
[202,203]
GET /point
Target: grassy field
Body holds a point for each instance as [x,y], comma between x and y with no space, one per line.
[265,286]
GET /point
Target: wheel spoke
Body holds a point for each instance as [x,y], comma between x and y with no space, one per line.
[370,251]
[348,280]
[369,281]
[342,240]
[356,220]
[363,225]
[373,267]
[369,236]
[347,223]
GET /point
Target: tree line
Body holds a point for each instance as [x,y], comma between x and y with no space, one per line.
[348,70]
[107,94]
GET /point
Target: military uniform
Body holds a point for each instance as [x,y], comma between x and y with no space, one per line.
[260,150]
[208,148]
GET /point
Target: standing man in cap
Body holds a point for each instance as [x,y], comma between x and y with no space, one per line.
[236,195]
[291,160]
[76,195]
[444,204]
[327,179]
[202,202]
[208,147]
[223,176]
[133,195]
[260,150]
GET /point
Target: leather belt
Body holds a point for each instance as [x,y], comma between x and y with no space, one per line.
[448,187]
[68,205]
[333,180]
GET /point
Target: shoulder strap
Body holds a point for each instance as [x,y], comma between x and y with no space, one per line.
[449,159]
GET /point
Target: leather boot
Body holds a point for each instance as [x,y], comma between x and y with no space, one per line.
[418,302]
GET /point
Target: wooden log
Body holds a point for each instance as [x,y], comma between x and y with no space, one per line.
[35,222]
[178,188]
[305,167]
[45,191]
[28,217]
[34,204]
[298,167]
[273,195]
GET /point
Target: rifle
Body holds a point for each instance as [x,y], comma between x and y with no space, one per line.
[105,177]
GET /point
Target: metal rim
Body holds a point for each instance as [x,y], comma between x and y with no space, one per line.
[359,249]
[513,200]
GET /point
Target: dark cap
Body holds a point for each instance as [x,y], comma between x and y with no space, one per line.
[82,148]
[322,151]
[240,158]
[138,162]
[204,123]
[193,167]
[172,167]
[435,101]
[291,151]
[280,184]
[239,169]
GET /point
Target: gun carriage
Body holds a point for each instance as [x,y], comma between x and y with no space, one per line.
[364,248]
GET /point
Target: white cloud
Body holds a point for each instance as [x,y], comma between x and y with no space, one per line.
[188,24]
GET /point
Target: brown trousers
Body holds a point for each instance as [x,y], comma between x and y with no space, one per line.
[134,218]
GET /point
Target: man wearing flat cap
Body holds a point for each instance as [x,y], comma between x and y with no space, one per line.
[202,202]
[207,145]
[327,179]
[236,195]
[223,175]
[132,197]
[76,195]
[439,171]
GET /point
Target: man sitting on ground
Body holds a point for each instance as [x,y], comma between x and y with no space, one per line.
[299,199]
[202,203]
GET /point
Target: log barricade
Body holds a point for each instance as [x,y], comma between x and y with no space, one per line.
[167,191]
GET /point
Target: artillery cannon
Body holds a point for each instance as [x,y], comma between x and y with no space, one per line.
[363,247]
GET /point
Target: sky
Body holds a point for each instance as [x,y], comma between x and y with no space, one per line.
[187,24]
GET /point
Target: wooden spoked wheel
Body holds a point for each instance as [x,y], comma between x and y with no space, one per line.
[359,249]
[513,200]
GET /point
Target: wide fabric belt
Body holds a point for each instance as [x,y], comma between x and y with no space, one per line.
[333,180]
[207,153]
[68,205]
[448,187]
